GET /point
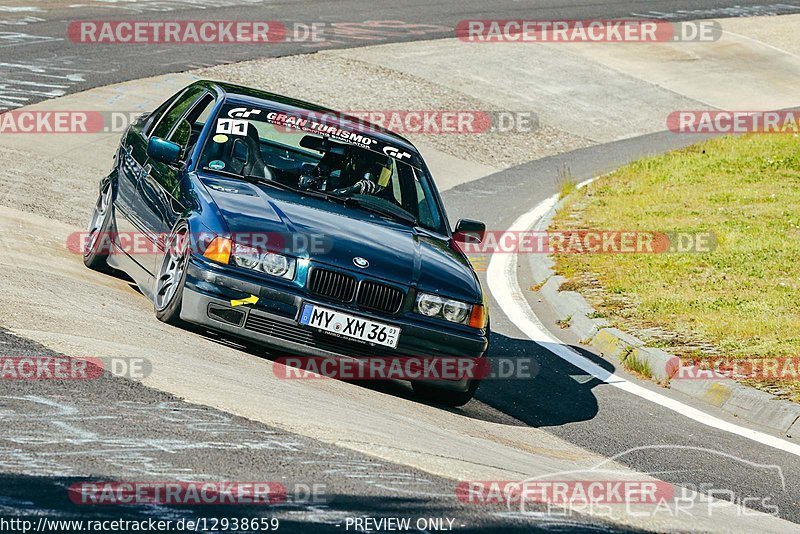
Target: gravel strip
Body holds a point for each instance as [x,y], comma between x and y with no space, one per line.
[346,84]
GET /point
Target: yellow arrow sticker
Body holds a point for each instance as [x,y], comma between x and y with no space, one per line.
[252,299]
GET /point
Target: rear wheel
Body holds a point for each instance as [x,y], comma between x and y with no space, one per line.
[98,245]
[168,294]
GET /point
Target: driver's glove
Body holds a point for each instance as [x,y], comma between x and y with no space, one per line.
[366,187]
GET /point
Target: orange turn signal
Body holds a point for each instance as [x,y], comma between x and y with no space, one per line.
[479,316]
[219,250]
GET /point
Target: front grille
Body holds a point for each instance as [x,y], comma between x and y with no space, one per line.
[378,297]
[271,327]
[331,284]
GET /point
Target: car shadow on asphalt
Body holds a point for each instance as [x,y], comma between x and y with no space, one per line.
[551,392]
[555,392]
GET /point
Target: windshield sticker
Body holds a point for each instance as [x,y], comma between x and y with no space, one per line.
[220,138]
[232,126]
[341,129]
[395,152]
[325,130]
[243,113]
[216,165]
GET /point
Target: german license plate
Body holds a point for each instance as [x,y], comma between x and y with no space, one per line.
[349,326]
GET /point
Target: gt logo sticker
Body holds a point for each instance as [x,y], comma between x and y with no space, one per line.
[395,152]
[243,113]
[232,126]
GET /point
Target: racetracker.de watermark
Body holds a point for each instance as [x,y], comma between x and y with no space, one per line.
[586,31]
[564,492]
[144,243]
[65,122]
[586,242]
[598,497]
[420,121]
[177,493]
[193,32]
[38,367]
[776,369]
[414,121]
[733,122]
[434,121]
[450,368]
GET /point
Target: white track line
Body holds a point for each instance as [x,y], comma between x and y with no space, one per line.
[502,279]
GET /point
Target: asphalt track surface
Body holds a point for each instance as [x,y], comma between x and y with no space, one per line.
[39,61]
[124,431]
[582,410]
[37,463]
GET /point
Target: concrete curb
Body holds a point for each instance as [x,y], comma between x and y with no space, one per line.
[660,366]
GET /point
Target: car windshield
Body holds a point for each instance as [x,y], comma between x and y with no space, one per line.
[326,155]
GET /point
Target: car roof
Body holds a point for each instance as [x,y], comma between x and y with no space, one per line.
[257,97]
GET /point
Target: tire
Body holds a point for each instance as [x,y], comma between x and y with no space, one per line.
[95,255]
[445,397]
[168,291]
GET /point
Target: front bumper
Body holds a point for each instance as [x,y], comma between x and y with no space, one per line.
[273,321]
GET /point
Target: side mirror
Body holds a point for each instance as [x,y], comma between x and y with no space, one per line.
[469,231]
[163,150]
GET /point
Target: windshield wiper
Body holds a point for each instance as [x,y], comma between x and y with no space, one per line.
[403,216]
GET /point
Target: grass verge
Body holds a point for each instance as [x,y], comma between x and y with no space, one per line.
[742,300]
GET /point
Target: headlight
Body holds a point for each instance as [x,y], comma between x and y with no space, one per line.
[269,262]
[275,264]
[429,305]
[245,256]
[434,306]
[455,311]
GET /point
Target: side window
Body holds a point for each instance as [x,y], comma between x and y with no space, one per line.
[188,130]
[171,118]
[428,215]
[156,115]
[408,188]
[207,106]
[390,180]
[177,126]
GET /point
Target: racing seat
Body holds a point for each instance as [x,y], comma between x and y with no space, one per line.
[254,163]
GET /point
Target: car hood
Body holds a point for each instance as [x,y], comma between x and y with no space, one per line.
[333,234]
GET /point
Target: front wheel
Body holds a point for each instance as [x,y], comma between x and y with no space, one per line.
[168,294]
[446,397]
[98,245]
